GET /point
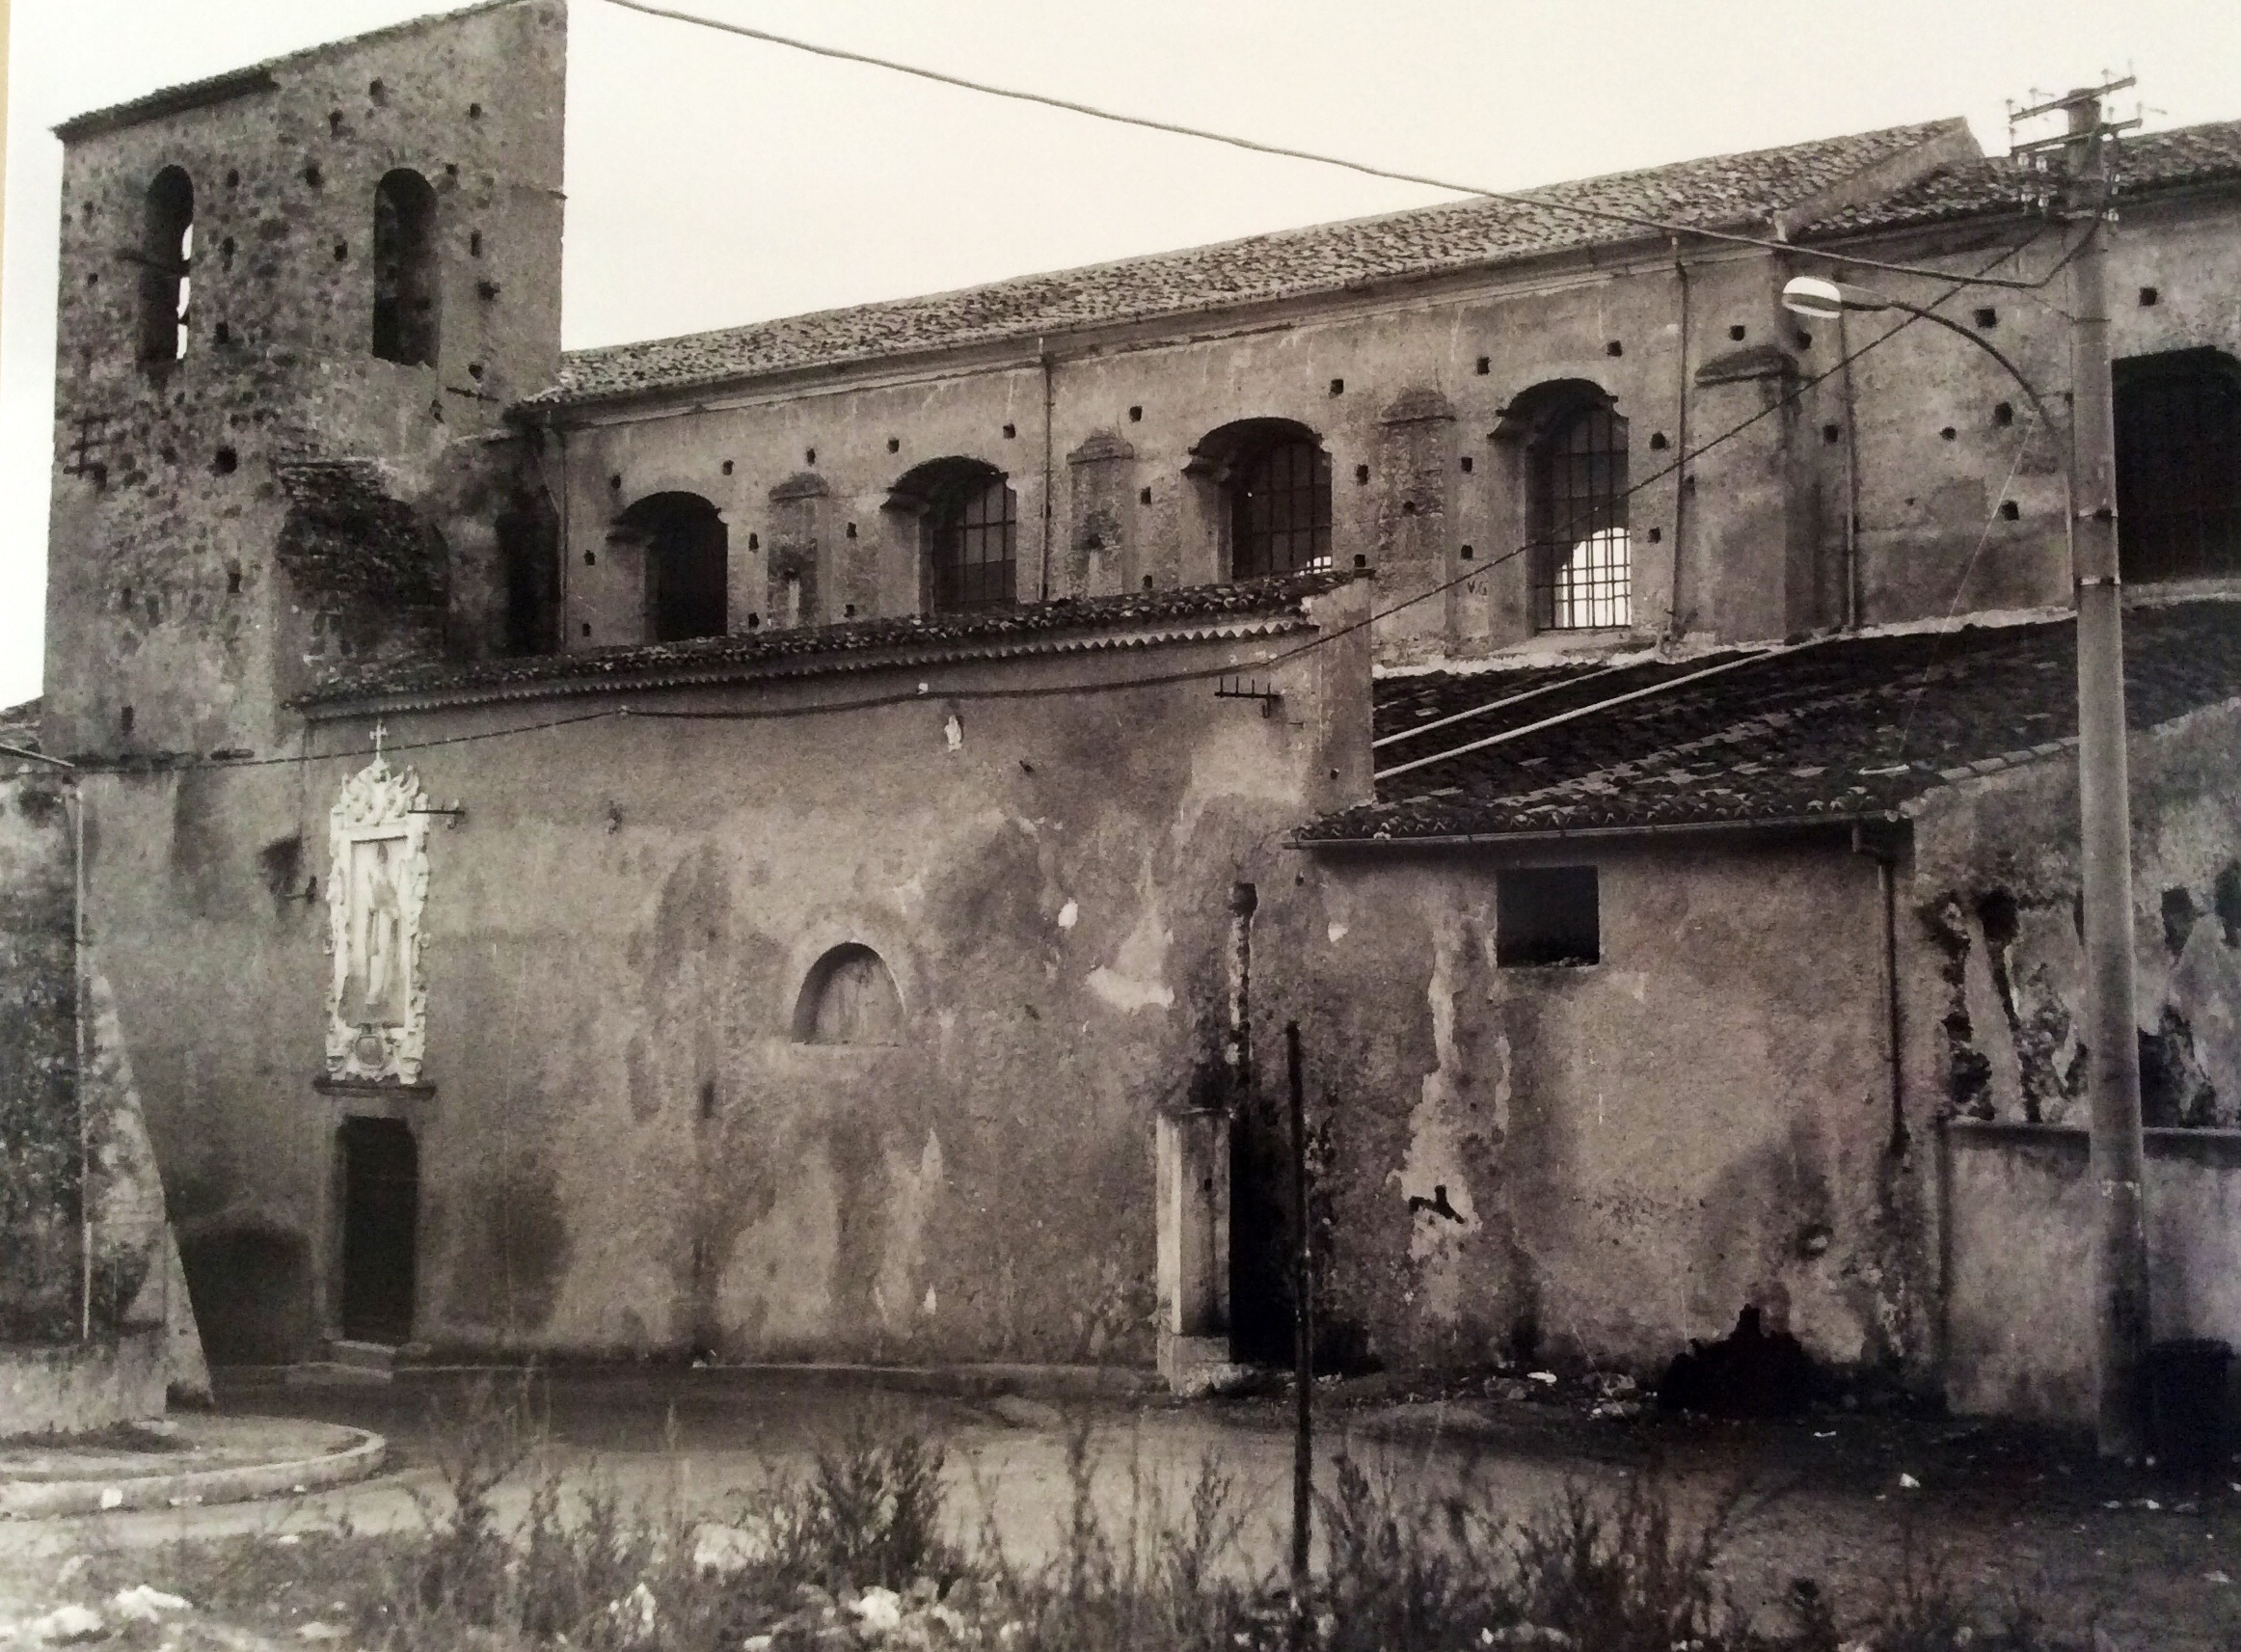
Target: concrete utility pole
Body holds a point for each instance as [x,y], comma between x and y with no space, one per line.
[2120,1317]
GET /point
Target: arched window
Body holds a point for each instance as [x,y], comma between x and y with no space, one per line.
[2179,465]
[1582,557]
[1280,509]
[970,528]
[406,292]
[167,248]
[849,998]
[688,561]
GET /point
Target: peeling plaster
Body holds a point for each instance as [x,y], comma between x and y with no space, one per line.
[1068,915]
[1135,980]
[913,1189]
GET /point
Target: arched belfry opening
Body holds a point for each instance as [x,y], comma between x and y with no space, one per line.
[1275,480]
[849,998]
[407,289]
[687,563]
[167,251]
[968,533]
[2178,463]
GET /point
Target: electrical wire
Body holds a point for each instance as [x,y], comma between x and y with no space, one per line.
[1255,145]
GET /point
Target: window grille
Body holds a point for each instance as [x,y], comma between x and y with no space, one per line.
[2179,465]
[1582,556]
[1281,511]
[975,548]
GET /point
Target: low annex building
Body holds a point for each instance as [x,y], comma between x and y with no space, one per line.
[797,842]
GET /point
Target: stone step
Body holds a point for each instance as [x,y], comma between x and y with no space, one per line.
[363,1356]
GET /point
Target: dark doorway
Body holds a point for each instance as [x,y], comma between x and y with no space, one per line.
[687,564]
[381,1196]
[528,544]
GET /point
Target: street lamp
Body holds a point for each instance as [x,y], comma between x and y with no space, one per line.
[2121,1318]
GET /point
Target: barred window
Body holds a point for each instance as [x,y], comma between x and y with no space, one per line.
[972,537]
[1281,506]
[1582,556]
[2179,465]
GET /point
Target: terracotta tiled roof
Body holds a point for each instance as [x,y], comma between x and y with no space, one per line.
[1722,192]
[1257,607]
[1842,729]
[1997,186]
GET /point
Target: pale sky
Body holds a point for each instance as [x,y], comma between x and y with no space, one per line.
[713,180]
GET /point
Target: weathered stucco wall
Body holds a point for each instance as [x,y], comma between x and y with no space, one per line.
[2019,1321]
[1630,1152]
[39,1257]
[1995,895]
[628,1149]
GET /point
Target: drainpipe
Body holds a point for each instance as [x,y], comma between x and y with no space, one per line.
[1049,398]
[78,1030]
[1852,483]
[1681,459]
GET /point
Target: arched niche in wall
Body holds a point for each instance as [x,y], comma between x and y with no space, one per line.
[2178,463]
[687,564]
[1273,481]
[529,546]
[167,251]
[968,532]
[849,997]
[407,291]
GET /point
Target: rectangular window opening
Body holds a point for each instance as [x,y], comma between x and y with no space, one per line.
[1545,916]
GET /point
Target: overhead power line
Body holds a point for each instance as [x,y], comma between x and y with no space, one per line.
[1286,151]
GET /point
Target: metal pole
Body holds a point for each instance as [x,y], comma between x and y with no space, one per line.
[1303,1337]
[2121,1318]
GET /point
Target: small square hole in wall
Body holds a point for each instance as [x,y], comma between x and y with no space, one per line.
[1148,581]
[754,622]
[1338,386]
[1737,333]
[1466,464]
[341,251]
[474,243]
[848,610]
[1143,496]
[587,628]
[1485,365]
[852,531]
[2150,297]
[475,371]
[1987,316]
[1804,340]
[313,177]
[1546,915]
[451,172]
[810,454]
[727,467]
[1361,560]
[475,111]
[2010,510]
[894,445]
[1362,472]
[2004,413]
[1136,415]
[377,91]
[1465,553]
[1011,431]
[1832,433]
[1658,442]
[225,461]
[754,543]
[1615,347]
[233,181]
[591,558]
[1656,537]
[222,334]
[1947,434]
[335,122]
[616,481]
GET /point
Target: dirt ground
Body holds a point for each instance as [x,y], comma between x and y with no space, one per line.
[1860,1502]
